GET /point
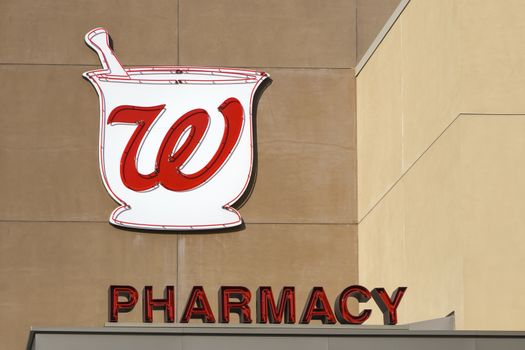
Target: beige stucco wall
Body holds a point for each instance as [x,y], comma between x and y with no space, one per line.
[58,254]
[440,175]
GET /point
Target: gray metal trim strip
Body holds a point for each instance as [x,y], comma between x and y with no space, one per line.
[271,331]
[314,331]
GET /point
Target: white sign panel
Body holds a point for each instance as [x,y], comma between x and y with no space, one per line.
[176,143]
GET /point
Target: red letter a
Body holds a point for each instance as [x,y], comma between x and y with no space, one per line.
[198,307]
[318,308]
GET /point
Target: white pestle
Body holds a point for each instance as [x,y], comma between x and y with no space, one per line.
[98,40]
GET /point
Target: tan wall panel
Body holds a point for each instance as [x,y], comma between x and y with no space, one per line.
[371,17]
[493,186]
[430,69]
[412,237]
[308,106]
[306,145]
[382,252]
[493,74]
[303,256]
[441,78]
[467,189]
[433,232]
[302,184]
[461,231]
[58,274]
[425,63]
[49,146]
[379,122]
[269,33]
[412,112]
[49,31]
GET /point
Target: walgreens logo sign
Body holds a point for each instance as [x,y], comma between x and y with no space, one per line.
[176,143]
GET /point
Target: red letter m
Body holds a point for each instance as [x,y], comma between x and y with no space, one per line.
[266,309]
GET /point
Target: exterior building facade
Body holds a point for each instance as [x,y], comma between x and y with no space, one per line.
[385,162]
[440,189]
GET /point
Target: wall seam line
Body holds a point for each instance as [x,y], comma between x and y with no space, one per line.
[425,152]
[177,277]
[106,222]
[178,32]
[356,31]
[138,65]
[402,98]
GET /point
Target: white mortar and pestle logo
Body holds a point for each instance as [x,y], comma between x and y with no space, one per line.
[176,143]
